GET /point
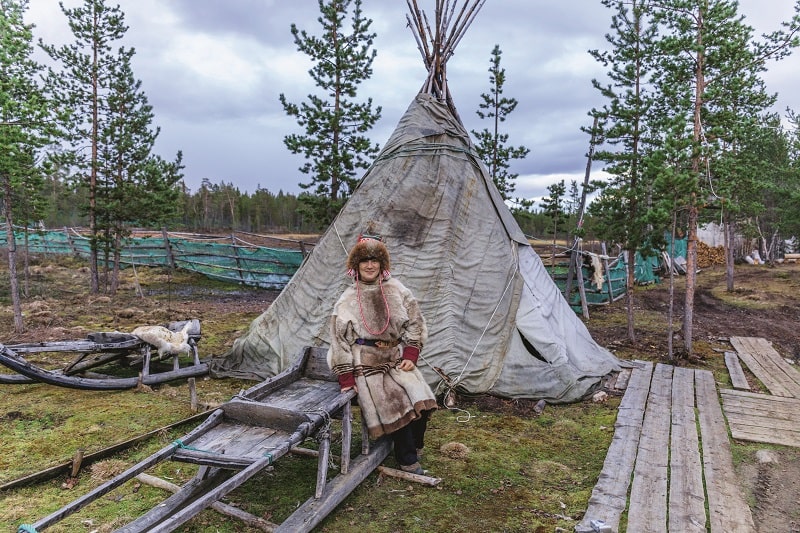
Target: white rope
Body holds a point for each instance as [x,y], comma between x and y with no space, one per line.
[336,231]
[450,385]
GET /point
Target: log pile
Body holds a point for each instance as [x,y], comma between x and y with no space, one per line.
[708,256]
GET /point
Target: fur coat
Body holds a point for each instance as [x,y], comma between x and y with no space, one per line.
[389,398]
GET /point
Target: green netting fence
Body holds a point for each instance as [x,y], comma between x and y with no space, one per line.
[236,258]
[612,288]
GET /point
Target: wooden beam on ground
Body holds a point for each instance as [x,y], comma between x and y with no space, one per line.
[738,379]
[768,366]
[727,507]
[687,511]
[647,510]
[762,418]
[609,497]
[409,476]
[224,508]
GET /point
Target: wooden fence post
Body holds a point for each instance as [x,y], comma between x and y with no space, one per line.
[69,241]
[168,249]
[236,255]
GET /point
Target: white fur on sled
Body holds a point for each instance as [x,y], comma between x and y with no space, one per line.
[164,339]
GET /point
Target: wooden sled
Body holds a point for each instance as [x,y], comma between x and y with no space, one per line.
[244,436]
[96,350]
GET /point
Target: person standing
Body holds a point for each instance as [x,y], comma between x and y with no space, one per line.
[377,331]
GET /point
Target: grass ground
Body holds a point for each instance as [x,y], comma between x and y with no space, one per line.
[523,471]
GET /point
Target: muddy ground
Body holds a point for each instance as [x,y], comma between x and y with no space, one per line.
[765,303]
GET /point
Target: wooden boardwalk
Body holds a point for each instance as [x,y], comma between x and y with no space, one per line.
[766,364]
[770,418]
[661,473]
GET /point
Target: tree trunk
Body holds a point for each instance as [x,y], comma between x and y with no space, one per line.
[691,279]
[728,231]
[671,310]
[630,278]
[93,268]
[26,271]
[12,258]
[115,269]
[691,237]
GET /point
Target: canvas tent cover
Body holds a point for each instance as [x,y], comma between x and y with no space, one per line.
[498,323]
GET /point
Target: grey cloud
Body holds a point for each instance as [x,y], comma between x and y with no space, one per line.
[234,132]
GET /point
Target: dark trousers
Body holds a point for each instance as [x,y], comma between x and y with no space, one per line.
[409,438]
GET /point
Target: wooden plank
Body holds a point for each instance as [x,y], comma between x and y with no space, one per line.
[255,443]
[773,407]
[765,348]
[610,494]
[686,495]
[771,437]
[760,396]
[738,379]
[737,407]
[762,418]
[215,440]
[761,421]
[727,507]
[764,424]
[770,368]
[647,508]
[622,379]
[313,511]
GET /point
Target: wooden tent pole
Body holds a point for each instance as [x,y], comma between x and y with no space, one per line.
[575,257]
[581,288]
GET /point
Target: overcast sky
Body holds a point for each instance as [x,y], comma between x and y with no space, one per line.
[213,70]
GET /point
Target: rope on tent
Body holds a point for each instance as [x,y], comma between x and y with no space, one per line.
[450,383]
[338,236]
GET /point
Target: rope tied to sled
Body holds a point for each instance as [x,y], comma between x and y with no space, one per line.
[179,444]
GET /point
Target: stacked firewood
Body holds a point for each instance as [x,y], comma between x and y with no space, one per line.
[708,255]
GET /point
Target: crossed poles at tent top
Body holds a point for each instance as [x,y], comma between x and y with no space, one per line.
[438,44]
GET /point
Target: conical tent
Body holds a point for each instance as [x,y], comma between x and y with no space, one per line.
[498,323]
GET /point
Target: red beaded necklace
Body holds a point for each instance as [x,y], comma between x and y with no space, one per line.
[361,309]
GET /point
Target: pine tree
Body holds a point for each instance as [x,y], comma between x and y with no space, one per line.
[621,208]
[24,130]
[82,87]
[709,71]
[134,185]
[554,210]
[335,144]
[492,145]
[126,184]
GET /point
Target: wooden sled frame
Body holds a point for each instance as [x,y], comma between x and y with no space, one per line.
[105,347]
[244,436]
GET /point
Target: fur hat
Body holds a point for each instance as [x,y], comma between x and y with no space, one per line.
[368,247]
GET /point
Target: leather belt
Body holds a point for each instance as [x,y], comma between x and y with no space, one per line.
[377,343]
